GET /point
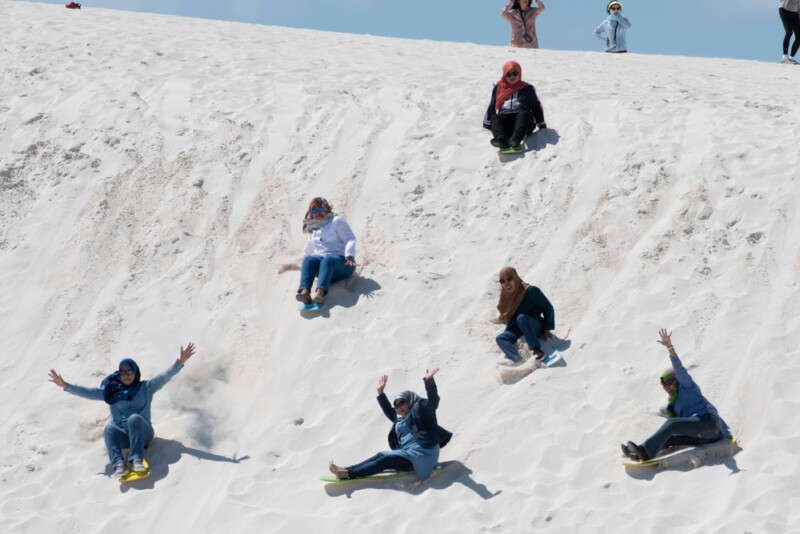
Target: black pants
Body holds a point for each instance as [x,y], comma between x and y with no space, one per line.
[791,23]
[512,125]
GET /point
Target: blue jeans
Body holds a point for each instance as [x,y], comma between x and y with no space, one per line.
[683,431]
[137,436]
[380,462]
[527,325]
[327,269]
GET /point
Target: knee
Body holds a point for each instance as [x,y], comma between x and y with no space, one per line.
[110,431]
[136,421]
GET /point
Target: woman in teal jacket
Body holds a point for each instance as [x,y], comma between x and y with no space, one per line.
[129,398]
[526,312]
[415,438]
[693,420]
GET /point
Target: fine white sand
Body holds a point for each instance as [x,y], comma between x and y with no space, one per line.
[154,172]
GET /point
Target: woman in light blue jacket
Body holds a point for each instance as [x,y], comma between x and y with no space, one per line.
[693,420]
[613,30]
[129,398]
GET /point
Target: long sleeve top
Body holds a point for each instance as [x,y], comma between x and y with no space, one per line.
[334,239]
[523,100]
[535,304]
[614,30]
[523,23]
[138,404]
[420,419]
[690,401]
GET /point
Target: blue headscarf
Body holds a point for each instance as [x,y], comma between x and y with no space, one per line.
[115,390]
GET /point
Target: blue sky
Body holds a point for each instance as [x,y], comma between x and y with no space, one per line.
[742,29]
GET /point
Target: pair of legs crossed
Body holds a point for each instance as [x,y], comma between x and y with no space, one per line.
[136,435]
[527,325]
[683,431]
[327,269]
[512,128]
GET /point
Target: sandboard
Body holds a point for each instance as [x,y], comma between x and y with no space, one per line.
[311,308]
[133,475]
[510,150]
[684,456]
[382,476]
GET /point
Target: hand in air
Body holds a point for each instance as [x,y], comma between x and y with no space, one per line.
[429,374]
[382,383]
[186,353]
[56,379]
[665,337]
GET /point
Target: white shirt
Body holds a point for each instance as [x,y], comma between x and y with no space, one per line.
[334,239]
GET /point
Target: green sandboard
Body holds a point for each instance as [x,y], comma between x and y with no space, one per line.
[375,477]
[657,461]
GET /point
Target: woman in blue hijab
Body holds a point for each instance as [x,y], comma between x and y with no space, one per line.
[415,438]
[129,398]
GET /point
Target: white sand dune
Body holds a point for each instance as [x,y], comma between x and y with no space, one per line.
[154,172]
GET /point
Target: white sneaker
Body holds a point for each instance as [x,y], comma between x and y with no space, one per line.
[119,470]
[138,466]
[789,61]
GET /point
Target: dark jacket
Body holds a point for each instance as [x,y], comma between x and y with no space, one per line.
[421,419]
[535,304]
[528,100]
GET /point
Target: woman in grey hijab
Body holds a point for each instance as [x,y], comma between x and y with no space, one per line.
[415,438]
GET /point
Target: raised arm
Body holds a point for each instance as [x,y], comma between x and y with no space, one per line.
[80,391]
[430,388]
[539,7]
[681,374]
[386,406]
[504,12]
[158,381]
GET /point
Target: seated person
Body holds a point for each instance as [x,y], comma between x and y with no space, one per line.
[514,109]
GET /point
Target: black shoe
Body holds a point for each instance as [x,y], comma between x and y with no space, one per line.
[513,143]
[538,352]
[499,143]
[639,451]
[629,453]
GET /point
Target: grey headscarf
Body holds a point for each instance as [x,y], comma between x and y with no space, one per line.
[410,397]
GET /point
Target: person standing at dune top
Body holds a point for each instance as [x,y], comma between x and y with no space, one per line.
[789,11]
[129,398]
[693,420]
[415,438]
[613,31]
[526,312]
[514,109]
[330,253]
[523,22]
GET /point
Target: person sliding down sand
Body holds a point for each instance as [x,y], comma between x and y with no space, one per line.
[513,110]
[415,438]
[330,253]
[693,420]
[129,398]
[526,312]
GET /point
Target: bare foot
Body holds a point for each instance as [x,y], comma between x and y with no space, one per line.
[340,472]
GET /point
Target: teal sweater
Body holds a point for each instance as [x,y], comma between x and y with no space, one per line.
[535,304]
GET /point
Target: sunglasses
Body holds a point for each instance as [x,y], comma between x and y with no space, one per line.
[506,280]
[317,210]
[400,402]
[511,73]
[124,372]
[615,10]
[667,381]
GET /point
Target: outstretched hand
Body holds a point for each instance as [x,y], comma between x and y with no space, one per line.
[429,374]
[56,379]
[665,338]
[382,383]
[186,353]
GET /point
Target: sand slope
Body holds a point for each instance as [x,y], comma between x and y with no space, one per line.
[153,176]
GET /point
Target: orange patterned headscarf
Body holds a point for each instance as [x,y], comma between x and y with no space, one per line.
[510,301]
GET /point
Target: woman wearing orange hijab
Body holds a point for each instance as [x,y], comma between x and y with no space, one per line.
[526,312]
[513,110]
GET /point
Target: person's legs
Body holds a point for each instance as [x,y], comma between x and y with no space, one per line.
[532,328]
[523,125]
[333,269]
[380,462]
[506,342]
[787,28]
[796,30]
[308,271]
[705,428]
[140,434]
[116,439]
[502,126]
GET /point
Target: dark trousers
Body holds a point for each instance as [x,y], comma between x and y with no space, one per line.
[791,24]
[512,125]
[683,431]
[380,462]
